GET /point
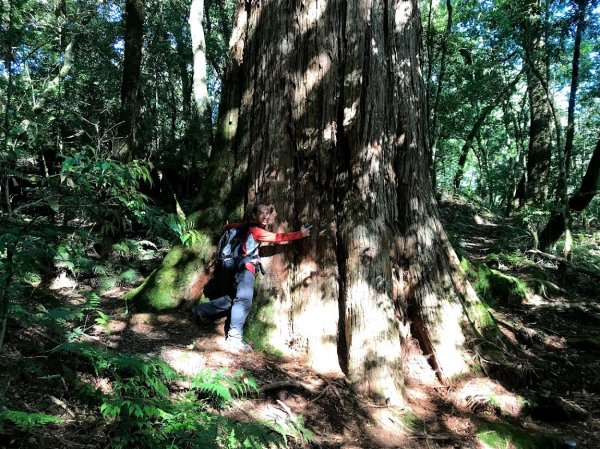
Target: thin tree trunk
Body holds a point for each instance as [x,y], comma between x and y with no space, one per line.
[200,89]
[130,85]
[434,113]
[8,60]
[581,24]
[590,184]
[8,264]
[475,130]
[440,81]
[7,278]
[565,167]
[199,84]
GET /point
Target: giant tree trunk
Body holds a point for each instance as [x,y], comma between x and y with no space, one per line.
[324,116]
[332,130]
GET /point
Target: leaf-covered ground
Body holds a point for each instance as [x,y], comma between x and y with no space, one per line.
[546,386]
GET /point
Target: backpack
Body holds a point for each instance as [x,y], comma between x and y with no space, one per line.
[229,251]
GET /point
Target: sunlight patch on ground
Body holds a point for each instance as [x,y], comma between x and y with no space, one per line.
[62,281]
[112,327]
[188,363]
[485,395]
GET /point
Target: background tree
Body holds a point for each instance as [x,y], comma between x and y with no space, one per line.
[533,35]
[590,184]
[130,86]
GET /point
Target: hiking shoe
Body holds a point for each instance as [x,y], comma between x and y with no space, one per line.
[237,345]
[200,316]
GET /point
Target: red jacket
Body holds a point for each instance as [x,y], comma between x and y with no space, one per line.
[257,235]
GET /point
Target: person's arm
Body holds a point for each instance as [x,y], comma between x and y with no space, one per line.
[264,236]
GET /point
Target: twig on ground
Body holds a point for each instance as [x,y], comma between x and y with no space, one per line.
[61,404]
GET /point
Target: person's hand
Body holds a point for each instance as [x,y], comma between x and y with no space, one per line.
[305,229]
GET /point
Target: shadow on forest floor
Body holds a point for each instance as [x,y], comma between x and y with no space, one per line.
[551,388]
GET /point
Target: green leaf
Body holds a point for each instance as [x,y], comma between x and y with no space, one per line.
[53,205]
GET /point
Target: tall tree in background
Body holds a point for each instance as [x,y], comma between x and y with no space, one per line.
[202,111]
[434,108]
[565,168]
[493,103]
[7,55]
[534,184]
[130,86]
[332,130]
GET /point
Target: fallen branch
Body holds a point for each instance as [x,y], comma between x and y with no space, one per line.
[579,269]
[286,384]
[61,404]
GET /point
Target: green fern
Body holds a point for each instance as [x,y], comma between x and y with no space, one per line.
[222,388]
[26,420]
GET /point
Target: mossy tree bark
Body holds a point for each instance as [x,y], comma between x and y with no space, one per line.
[332,131]
[533,187]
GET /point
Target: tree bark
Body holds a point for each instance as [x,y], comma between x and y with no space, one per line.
[130,85]
[565,165]
[199,54]
[332,130]
[200,89]
[590,184]
[8,57]
[324,117]
[535,185]
[581,24]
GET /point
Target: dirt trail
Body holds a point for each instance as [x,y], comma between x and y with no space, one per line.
[332,412]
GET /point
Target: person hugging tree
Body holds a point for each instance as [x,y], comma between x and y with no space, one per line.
[245,267]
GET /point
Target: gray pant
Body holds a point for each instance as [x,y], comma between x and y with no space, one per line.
[240,305]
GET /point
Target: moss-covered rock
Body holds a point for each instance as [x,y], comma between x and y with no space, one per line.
[496,287]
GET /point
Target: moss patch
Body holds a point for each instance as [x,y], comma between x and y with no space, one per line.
[501,435]
[481,316]
[260,324]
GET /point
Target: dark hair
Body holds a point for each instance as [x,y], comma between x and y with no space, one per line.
[252,212]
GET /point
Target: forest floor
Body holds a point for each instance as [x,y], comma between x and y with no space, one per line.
[549,385]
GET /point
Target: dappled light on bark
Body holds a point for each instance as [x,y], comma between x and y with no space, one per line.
[332,131]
